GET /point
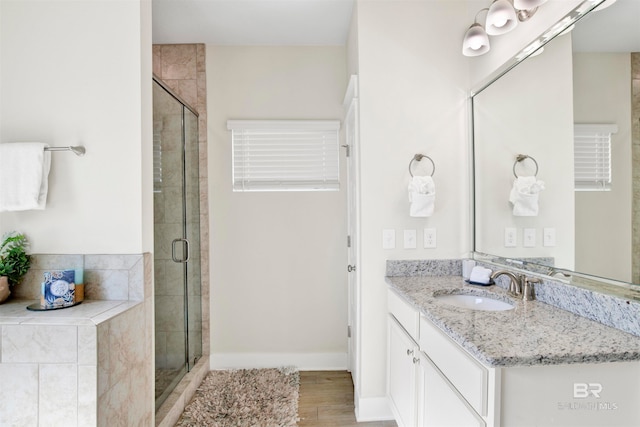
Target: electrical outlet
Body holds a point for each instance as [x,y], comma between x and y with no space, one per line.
[429,238]
[388,239]
[510,238]
[529,238]
[549,237]
[410,237]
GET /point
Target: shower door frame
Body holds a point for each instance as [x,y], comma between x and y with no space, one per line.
[190,358]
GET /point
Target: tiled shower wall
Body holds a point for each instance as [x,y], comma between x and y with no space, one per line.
[635,135]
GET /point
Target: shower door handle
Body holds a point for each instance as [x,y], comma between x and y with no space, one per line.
[185,246]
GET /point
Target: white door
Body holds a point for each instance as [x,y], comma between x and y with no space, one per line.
[353,280]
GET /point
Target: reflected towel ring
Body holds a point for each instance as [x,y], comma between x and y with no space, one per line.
[519,159]
[419,157]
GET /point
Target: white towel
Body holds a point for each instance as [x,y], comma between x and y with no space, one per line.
[480,275]
[24,176]
[524,195]
[422,196]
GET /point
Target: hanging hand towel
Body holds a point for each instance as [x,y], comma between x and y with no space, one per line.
[524,195]
[24,176]
[422,196]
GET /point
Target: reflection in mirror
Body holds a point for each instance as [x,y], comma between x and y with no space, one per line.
[531,110]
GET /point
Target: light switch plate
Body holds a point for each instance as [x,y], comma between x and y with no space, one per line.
[410,237]
[529,238]
[510,237]
[388,239]
[429,238]
[549,237]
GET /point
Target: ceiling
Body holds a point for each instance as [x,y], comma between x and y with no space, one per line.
[326,23]
[252,22]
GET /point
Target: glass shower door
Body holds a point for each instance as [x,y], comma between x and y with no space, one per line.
[176,241]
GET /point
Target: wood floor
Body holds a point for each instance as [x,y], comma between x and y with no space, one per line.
[326,399]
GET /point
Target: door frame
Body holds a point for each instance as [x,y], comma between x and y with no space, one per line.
[352,136]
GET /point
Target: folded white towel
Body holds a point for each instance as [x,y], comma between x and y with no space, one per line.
[24,176]
[480,275]
[524,195]
[422,196]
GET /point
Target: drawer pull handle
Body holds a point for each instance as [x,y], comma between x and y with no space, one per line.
[416,360]
[409,352]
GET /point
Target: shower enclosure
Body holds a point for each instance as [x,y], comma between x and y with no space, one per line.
[178,315]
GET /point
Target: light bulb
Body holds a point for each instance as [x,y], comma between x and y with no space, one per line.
[476,41]
[501,18]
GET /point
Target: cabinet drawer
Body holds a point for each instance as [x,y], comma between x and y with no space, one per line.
[407,315]
[467,375]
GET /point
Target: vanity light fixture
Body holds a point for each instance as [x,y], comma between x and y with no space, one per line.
[527,8]
[476,40]
[527,4]
[501,18]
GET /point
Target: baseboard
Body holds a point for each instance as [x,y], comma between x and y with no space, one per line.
[303,361]
[372,409]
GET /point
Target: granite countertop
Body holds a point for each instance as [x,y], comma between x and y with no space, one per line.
[533,333]
[89,312]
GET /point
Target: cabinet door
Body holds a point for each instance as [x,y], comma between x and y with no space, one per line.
[401,374]
[440,405]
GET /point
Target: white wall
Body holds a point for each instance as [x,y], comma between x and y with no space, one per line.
[75,73]
[278,263]
[528,111]
[413,86]
[602,94]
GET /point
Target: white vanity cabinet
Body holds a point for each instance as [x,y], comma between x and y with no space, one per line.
[402,380]
[435,382]
[402,358]
[439,403]
[454,386]
[419,392]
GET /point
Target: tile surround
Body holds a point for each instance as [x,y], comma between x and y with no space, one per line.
[106,277]
[97,354]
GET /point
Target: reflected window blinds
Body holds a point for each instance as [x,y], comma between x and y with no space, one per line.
[592,156]
[285,155]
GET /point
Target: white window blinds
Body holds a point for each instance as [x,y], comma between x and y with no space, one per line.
[285,155]
[592,156]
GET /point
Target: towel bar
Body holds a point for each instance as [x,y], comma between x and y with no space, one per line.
[78,150]
[419,157]
[522,157]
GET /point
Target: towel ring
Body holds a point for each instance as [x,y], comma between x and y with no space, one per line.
[520,158]
[419,157]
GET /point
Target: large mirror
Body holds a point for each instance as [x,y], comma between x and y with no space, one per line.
[583,76]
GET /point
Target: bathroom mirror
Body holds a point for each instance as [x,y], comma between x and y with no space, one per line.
[582,75]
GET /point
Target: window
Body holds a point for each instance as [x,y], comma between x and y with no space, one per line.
[592,156]
[285,155]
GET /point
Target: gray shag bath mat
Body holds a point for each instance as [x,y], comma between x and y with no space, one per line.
[246,397]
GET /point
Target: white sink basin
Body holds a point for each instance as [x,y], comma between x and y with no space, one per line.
[475,302]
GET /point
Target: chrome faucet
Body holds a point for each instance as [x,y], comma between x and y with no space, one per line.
[516,281]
